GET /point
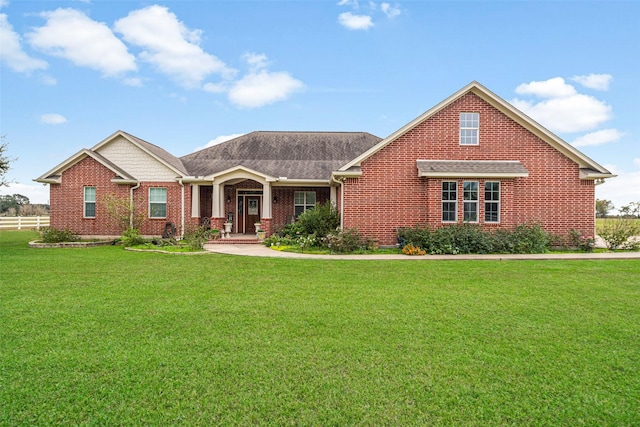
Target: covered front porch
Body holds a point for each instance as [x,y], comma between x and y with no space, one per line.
[246,199]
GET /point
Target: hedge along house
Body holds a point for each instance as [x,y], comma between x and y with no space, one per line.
[473,158]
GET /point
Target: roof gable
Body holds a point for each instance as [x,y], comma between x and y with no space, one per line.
[159,154]
[54,175]
[505,108]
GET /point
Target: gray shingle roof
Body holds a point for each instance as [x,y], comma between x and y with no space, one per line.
[295,155]
[470,168]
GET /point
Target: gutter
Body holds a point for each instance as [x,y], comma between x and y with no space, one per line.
[341,183]
[131,205]
[182,212]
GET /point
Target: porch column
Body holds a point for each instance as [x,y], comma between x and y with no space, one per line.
[266,200]
[333,195]
[195,200]
[217,202]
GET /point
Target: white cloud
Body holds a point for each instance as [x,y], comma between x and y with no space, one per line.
[12,54]
[390,11]
[72,35]
[552,88]
[562,108]
[215,87]
[355,22]
[636,161]
[3,3]
[598,137]
[257,89]
[594,81]
[170,46]
[256,61]
[132,81]
[621,190]
[53,119]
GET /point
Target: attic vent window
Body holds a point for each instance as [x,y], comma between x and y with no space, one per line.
[469,128]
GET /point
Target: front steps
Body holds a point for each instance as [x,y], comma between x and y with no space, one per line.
[237,239]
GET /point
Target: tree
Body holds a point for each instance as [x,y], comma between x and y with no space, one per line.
[14,203]
[631,210]
[122,212]
[5,161]
[603,207]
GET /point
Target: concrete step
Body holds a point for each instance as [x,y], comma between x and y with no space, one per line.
[235,241]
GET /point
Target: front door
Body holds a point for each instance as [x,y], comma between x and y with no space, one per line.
[251,214]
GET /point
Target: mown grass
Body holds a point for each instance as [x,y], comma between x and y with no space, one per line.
[103,336]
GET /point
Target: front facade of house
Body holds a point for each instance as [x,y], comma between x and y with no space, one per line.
[473,158]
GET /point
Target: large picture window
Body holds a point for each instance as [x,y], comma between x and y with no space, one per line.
[470,196]
[303,200]
[469,128]
[491,201]
[157,202]
[89,202]
[449,201]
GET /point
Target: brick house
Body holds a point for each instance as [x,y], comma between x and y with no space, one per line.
[472,158]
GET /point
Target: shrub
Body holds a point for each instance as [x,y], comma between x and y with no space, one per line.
[321,220]
[617,234]
[132,237]
[195,238]
[469,238]
[54,235]
[412,250]
[345,241]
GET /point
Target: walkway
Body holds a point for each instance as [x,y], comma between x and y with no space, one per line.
[263,251]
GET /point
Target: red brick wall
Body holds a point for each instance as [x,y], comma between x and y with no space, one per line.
[67,201]
[389,194]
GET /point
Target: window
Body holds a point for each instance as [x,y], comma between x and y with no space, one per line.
[89,202]
[470,196]
[449,201]
[491,201]
[469,128]
[157,203]
[303,200]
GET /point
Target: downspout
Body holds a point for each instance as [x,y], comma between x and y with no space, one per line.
[182,214]
[341,182]
[131,205]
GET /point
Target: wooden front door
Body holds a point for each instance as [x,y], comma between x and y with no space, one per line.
[252,216]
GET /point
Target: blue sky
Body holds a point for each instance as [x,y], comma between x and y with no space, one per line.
[184,74]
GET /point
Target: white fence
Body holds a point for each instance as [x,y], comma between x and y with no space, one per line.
[23,222]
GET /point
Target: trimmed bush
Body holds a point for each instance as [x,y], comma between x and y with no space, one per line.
[468,238]
[54,235]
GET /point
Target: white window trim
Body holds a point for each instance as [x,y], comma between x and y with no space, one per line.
[305,204]
[166,194]
[476,202]
[477,128]
[497,202]
[85,201]
[455,202]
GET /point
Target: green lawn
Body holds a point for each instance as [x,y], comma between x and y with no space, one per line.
[102,336]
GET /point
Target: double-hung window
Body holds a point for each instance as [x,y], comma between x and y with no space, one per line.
[89,202]
[303,200]
[449,201]
[157,202]
[470,196]
[469,128]
[491,201]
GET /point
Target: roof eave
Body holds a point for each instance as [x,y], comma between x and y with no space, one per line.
[473,175]
[590,175]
